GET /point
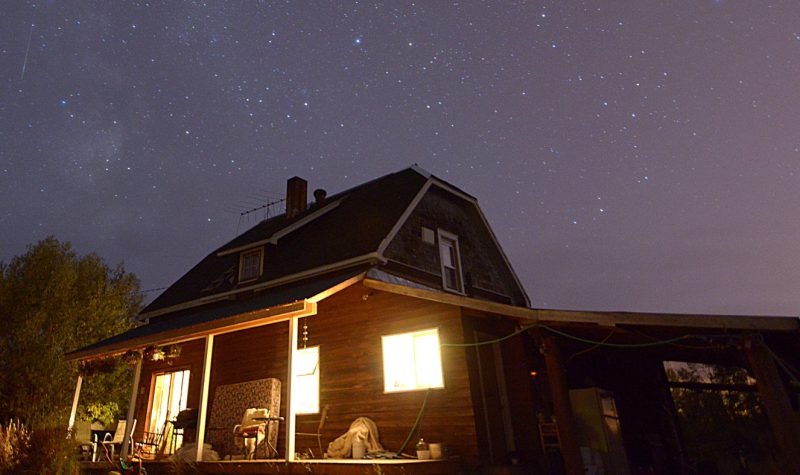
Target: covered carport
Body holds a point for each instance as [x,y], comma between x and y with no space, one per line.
[621,355]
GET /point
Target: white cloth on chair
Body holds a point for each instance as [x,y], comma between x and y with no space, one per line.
[362,428]
[251,431]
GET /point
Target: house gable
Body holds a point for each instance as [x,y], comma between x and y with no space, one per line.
[484,268]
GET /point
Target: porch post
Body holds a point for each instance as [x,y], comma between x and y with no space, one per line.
[771,391]
[557,379]
[74,411]
[131,423]
[290,415]
[203,409]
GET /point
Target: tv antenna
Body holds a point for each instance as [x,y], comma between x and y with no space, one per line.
[253,209]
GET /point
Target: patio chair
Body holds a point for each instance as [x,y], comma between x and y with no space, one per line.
[323,416]
[153,444]
[251,432]
[110,444]
[83,437]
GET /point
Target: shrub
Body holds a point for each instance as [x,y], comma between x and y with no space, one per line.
[44,450]
[14,446]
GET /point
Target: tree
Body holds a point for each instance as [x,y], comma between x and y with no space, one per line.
[53,301]
[726,427]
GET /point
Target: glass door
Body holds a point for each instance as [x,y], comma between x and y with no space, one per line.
[170,391]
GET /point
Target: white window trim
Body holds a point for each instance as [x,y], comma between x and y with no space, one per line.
[440,233]
[417,388]
[243,254]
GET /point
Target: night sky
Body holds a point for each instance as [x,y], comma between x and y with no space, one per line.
[631,155]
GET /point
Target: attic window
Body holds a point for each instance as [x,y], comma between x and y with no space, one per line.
[451,262]
[251,263]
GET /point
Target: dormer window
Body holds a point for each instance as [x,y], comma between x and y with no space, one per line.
[451,262]
[251,264]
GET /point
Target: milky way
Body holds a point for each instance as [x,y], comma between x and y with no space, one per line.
[635,155]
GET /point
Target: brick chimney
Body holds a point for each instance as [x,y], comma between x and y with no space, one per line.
[296,196]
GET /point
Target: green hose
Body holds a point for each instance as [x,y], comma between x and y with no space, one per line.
[416,423]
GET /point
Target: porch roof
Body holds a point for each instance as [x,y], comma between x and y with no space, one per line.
[269,306]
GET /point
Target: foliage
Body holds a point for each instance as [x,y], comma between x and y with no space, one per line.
[53,301]
[14,446]
[726,427]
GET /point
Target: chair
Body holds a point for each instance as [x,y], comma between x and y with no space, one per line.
[323,416]
[117,439]
[548,436]
[83,436]
[252,430]
[153,444]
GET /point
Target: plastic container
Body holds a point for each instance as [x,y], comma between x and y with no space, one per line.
[422,450]
[359,449]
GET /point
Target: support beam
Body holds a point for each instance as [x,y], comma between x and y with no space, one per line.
[204,385]
[74,410]
[131,422]
[771,391]
[557,378]
[290,410]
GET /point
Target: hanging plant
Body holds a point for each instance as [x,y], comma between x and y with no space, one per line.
[90,367]
[172,351]
[154,354]
[131,357]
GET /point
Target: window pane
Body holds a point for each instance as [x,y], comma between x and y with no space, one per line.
[428,360]
[305,392]
[412,361]
[398,363]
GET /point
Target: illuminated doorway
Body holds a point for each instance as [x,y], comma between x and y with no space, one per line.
[170,391]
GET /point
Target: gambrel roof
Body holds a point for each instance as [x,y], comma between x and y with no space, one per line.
[323,246]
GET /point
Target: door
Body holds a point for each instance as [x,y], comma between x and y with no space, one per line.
[170,391]
[494,399]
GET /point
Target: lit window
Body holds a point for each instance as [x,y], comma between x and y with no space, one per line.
[305,389]
[412,361]
[451,261]
[250,264]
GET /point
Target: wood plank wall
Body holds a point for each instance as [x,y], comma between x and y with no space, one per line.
[348,329]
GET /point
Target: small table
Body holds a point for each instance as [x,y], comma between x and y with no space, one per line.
[269,420]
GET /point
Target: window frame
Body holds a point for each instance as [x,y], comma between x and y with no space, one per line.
[417,386]
[442,237]
[243,255]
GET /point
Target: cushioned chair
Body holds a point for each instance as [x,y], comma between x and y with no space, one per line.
[229,404]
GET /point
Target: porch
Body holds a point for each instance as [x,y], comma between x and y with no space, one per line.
[321,467]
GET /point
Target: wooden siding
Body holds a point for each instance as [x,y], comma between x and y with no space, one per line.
[480,258]
[348,329]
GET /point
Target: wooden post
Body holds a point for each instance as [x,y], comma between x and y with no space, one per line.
[130,422]
[290,410]
[557,379]
[204,385]
[74,410]
[776,403]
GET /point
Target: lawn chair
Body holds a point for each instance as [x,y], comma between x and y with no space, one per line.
[323,416]
[83,437]
[110,444]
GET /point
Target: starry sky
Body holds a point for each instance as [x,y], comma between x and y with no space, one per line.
[631,155]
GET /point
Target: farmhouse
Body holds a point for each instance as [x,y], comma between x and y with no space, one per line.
[394,301]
